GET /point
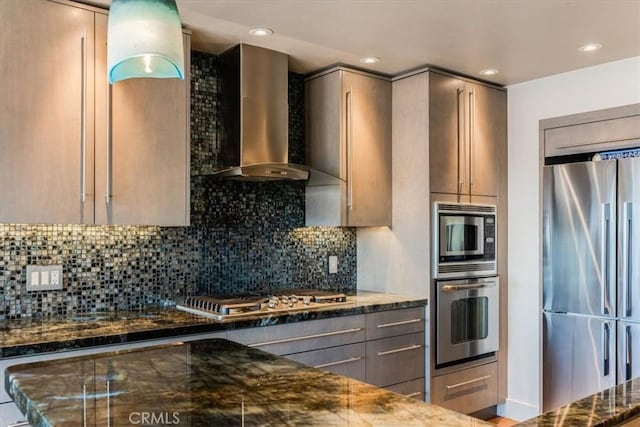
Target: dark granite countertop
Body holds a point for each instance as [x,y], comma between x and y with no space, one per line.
[208,383]
[32,336]
[611,407]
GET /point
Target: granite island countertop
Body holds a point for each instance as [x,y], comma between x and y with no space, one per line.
[208,383]
[612,407]
[38,335]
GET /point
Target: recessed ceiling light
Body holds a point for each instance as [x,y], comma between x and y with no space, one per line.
[261,31]
[489,72]
[370,60]
[590,47]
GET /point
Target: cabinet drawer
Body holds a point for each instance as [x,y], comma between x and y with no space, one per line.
[395,360]
[347,360]
[395,322]
[468,390]
[413,388]
[302,336]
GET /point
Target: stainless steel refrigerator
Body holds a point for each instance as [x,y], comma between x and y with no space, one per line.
[591,276]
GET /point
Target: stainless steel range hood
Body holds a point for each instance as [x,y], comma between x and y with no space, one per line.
[253,100]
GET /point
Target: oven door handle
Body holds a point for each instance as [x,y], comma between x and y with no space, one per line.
[454,288]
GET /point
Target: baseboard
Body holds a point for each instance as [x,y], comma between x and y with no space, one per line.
[516,410]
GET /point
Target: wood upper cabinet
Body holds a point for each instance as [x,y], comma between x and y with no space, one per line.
[142,145]
[74,149]
[349,137]
[46,113]
[468,128]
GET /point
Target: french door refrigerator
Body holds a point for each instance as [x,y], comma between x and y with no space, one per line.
[591,278]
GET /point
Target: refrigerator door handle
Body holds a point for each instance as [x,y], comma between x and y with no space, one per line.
[627,353]
[605,258]
[605,350]
[627,242]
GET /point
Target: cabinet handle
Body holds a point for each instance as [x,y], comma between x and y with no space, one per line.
[349,139]
[107,190]
[19,424]
[464,383]
[472,134]
[399,350]
[462,172]
[404,322]
[339,362]
[414,394]
[108,404]
[306,337]
[83,122]
[84,405]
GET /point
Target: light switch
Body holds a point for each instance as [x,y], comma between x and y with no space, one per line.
[35,278]
[44,278]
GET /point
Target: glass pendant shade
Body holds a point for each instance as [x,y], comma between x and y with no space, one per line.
[144,40]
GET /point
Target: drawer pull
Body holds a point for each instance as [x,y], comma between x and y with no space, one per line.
[404,322]
[451,387]
[338,362]
[398,350]
[417,393]
[307,337]
[19,424]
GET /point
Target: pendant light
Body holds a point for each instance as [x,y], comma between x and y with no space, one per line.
[144,40]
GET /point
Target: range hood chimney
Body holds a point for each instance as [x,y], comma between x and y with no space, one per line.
[255,116]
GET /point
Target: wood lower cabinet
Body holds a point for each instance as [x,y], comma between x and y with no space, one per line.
[468,390]
[396,359]
[396,350]
[385,349]
[335,345]
[414,388]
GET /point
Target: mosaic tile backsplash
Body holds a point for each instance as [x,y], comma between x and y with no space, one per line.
[244,236]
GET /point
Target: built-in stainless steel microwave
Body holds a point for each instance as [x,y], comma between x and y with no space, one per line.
[464,240]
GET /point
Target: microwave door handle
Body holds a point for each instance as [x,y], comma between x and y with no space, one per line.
[454,288]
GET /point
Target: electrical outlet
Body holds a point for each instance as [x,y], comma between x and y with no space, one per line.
[44,277]
[333,264]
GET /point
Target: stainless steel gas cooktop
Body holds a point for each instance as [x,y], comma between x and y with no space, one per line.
[281,300]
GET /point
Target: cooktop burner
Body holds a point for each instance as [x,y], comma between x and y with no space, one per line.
[273,301]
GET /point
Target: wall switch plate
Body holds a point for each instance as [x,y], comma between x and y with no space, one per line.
[44,277]
[333,264]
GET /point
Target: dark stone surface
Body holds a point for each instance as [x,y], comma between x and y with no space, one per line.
[209,383]
[608,408]
[31,336]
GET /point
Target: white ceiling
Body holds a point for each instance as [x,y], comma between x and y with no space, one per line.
[524,39]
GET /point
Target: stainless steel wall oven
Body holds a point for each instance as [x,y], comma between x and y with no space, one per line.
[466,320]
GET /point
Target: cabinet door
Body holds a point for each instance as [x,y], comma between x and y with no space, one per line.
[488,135]
[368,137]
[142,146]
[46,113]
[447,135]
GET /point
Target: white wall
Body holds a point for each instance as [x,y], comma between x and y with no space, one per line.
[594,88]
